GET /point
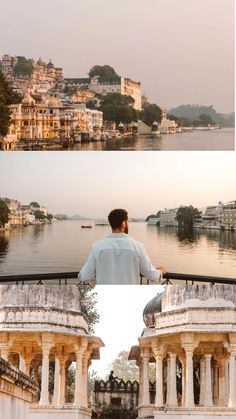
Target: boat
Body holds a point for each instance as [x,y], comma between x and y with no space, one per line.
[86,226]
[101,223]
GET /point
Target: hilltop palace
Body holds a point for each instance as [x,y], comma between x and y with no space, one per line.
[190,336]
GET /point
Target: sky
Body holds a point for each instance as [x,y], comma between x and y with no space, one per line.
[182,51]
[124,305]
[92,184]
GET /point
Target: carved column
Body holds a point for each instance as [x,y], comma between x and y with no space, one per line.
[44,399]
[232,379]
[168,380]
[189,396]
[140,396]
[85,360]
[62,380]
[145,356]
[221,383]
[226,382]
[159,376]
[202,381]
[173,391]
[56,381]
[78,379]
[208,389]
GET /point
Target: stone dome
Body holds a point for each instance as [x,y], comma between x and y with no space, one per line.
[153,306]
[28,100]
[50,64]
[45,307]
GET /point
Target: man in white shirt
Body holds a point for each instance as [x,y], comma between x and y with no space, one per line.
[119,259]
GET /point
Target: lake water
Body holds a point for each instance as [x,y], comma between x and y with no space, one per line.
[64,246]
[222,139]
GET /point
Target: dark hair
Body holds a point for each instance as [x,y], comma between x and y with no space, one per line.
[116,218]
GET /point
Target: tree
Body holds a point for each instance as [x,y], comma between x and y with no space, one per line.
[7,97]
[88,305]
[118,108]
[151,113]
[186,215]
[23,67]
[34,204]
[4,213]
[128,370]
[39,215]
[102,71]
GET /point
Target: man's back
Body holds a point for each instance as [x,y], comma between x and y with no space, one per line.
[118,259]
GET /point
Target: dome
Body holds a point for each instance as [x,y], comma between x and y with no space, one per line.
[50,64]
[53,102]
[152,307]
[45,307]
[28,100]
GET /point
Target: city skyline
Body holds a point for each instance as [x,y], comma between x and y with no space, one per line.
[182,68]
[91,184]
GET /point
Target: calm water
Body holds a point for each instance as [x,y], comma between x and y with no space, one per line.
[65,246]
[222,139]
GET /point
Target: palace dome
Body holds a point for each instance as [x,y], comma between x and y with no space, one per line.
[28,100]
[152,307]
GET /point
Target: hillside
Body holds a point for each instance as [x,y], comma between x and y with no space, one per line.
[192,113]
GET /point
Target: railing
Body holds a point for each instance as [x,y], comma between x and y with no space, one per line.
[72,278]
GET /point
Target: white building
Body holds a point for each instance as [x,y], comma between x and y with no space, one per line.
[168,217]
[228,216]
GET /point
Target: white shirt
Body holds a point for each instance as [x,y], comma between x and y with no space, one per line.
[118,259]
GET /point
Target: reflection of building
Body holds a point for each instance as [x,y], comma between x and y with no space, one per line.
[42,330]
[168,217]
[190,334]
[116,394]
[114,84]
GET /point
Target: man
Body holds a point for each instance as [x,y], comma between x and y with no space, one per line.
[119,259]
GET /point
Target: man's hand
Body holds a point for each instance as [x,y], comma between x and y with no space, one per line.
[162,269]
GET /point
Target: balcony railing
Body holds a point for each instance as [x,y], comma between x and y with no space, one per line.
[60,278]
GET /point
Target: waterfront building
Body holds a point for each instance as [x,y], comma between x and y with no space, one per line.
[105,85]
[168,217]
[43,327]
[190,335]
[167,126]
[228,216]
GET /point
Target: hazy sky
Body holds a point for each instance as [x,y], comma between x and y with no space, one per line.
[124,305]
[181,50]
[93,183]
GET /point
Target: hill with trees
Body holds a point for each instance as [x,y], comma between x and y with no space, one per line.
[201,114]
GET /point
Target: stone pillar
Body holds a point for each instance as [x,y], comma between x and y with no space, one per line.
[21,363]
[62,380]
[168,381]
[146,397]
[221,382]
[85,378]
[36,374]
[202,381]
[208,389]
[78,380]
[44,399]
[140,396]
[159,377]
[232,380]
[173,391]
[189,396]
[56,382]
[226,382]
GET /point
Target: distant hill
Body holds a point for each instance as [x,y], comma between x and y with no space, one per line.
[192,112]
[73,217]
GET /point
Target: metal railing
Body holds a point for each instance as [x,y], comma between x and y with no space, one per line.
[71,277]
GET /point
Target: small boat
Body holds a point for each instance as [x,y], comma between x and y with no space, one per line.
[86,226]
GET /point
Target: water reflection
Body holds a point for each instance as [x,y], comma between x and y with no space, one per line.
[187,236]
[4,242]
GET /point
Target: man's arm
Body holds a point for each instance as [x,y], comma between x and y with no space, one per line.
[146,268]
[88,271]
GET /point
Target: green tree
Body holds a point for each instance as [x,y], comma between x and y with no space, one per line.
[4,213]
[128,370]
[118,108]
[88,305]
[7,97]
[102,71]
[34,204]
[186,215]
[151,113]
[23,67]
[39,215]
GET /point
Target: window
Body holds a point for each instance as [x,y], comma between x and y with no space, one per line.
[116,401]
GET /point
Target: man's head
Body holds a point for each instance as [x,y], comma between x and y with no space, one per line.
[118,219]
